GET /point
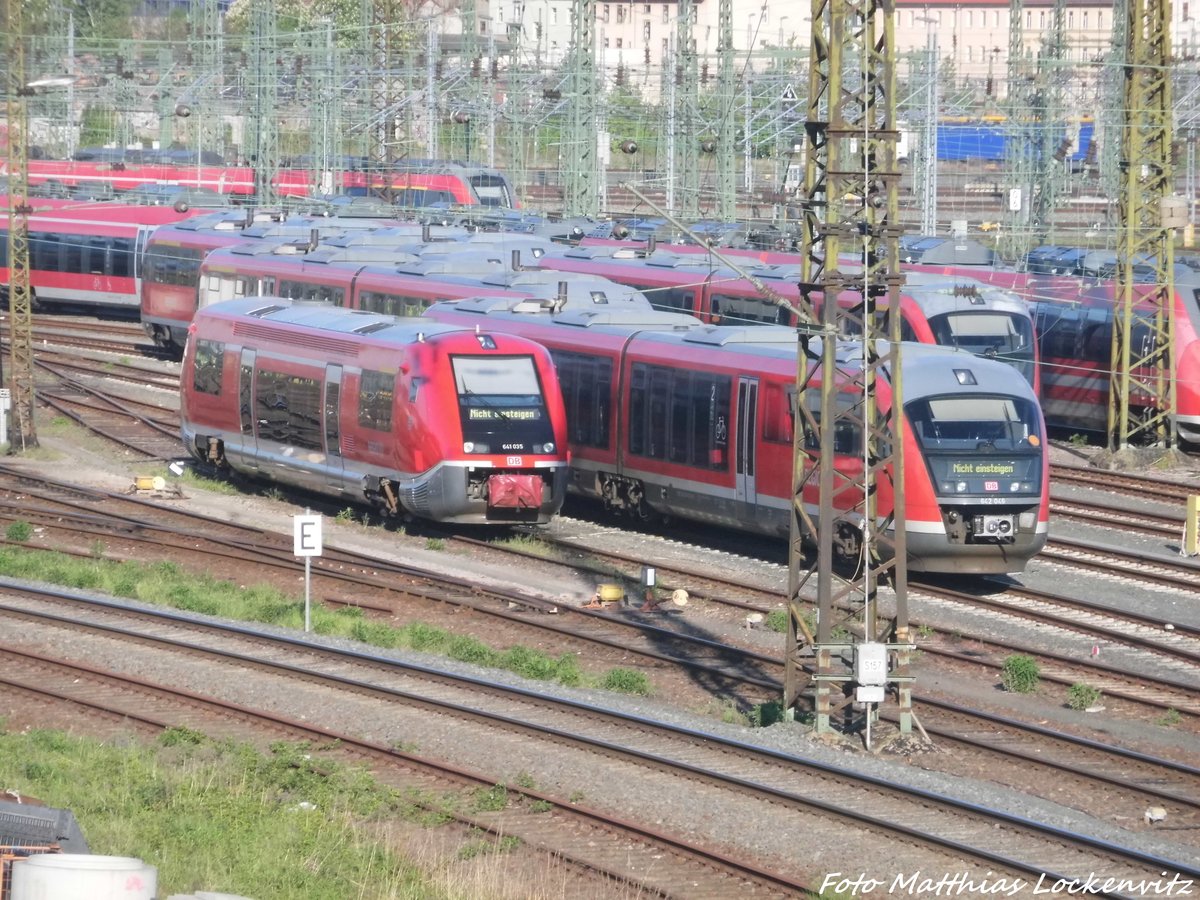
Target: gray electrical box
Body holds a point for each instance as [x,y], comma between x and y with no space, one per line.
[870,664]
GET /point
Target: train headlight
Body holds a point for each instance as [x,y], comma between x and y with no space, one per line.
[961,487]
[548,447]
[1015,486]
[474,447]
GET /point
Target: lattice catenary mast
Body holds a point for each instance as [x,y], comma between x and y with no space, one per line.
[1142,391]
[851,207]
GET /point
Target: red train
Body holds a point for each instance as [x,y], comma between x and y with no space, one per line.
[88,255]
[669,417]
[429,183]
[365,271]
[413,418]
[171,269]
[1073,316]
[953,310]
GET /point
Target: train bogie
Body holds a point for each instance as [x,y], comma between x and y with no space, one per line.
[414,419]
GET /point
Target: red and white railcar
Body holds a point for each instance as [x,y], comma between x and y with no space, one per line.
[408,416]
[89,255]
[669,417]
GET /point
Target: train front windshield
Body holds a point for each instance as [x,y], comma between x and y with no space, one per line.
[501,405]
[980,444]
[1003,336]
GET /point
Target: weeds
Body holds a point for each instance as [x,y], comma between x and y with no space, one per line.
[1020,674]
[19,532]
[1082,696]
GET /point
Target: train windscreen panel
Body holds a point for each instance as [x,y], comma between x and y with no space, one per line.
[501,405]
[493,190]
[989,446]
[1000,336]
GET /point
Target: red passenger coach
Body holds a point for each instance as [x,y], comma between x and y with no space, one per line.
[672,418]
[90,256]
[411,417]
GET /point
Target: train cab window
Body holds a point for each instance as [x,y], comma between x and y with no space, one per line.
[586,383]
[669,299]
[207,367]
[333,428]
[493,190]
[971,423]
[748,311]
[376,399]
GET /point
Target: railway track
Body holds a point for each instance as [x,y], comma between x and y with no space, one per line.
[940,833]
[659,644]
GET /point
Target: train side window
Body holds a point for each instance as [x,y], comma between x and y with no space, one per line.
[208,365]
[72,255]
[586,383]
[44,252]
[682,406]
[1097,342]
[776,413]
[120,258]
[375,400]
[271,405]
[638,402]
[333,434]
[710,434]
[304,412]
[657,411]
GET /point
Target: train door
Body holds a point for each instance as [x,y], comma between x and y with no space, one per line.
[246,407]
[331,408]
[747,429]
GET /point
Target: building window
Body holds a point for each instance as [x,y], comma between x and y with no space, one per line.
[646,10]
[620,43]
[646,32]
[606,43]
[666,13]
[1070,18]
[969,21]
[1100,19]
[1085,20]
[620,13]
[605,14]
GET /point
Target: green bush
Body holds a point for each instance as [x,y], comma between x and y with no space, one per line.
[19,532]
[1020,674]
[625,681]
[777,620]
[1082,696]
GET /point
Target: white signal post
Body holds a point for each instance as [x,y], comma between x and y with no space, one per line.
[306,542]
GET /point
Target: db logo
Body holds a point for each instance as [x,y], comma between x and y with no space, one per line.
[991,485]
[515,460]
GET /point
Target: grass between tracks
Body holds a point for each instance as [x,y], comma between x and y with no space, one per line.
[166,584]
[213,815]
